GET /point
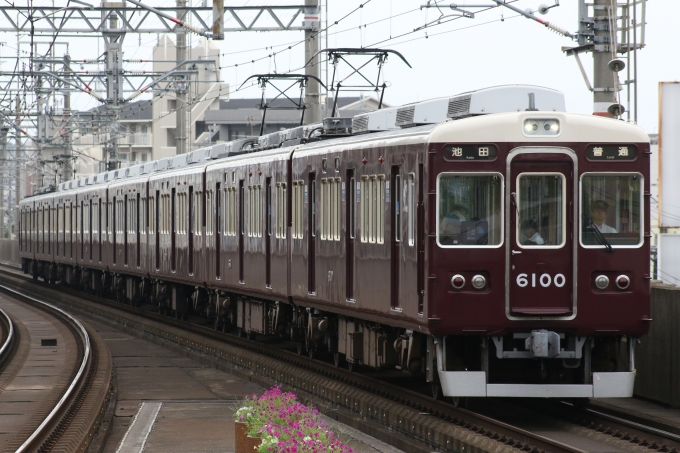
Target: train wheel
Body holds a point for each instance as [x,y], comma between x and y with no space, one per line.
[458,401]
[436,390]
[336,359]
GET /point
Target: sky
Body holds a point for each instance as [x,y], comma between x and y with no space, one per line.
[496,47]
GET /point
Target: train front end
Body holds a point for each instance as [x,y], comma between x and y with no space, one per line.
[538,254]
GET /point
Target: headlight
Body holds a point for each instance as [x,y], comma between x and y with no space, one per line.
[535,127]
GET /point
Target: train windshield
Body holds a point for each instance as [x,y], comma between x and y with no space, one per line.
[611,209]
[541,206]
[469,210]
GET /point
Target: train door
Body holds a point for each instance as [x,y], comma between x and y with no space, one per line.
[350,205]
[241,229]
[540,243]
[192,215]
[126,213]
[138,230]
[218,230]
[268,233]
[157,230]
[395,239]
[90,233]
[100,225]
[311,224]
[173,231]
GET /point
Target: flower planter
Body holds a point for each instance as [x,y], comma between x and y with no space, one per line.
[243,443]
[252,443]
[240,437]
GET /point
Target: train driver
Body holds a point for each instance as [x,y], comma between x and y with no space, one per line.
[598,213]
[449,227]
[530,233]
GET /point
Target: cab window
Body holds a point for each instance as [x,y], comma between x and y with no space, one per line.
[469,210]
[611,210]
[540,210]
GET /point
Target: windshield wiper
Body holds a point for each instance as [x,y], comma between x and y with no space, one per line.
[600,237]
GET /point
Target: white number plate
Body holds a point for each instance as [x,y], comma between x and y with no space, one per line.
[544,280]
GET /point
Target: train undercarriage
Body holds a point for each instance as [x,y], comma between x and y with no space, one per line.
[539,363]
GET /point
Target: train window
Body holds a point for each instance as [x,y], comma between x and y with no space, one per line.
[281,210]
[270,216]
[351,203]
[131,209]
[373,209]
[330,209]
[410,208]
[150,220]
[196,215]
[611,210]
[297,209]
[397,207]
[182,213]
[469,210]
[230,211]
[541,208]
[209,222]
[255,210]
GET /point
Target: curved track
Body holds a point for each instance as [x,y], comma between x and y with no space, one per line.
[49,378]
[7,338]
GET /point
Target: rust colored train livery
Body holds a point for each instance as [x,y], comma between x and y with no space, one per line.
[499,254]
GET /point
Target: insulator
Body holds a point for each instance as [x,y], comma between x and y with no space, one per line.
[558,29]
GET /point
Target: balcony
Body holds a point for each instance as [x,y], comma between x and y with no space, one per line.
[137,139]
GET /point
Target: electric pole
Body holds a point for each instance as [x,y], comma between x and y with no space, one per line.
[313,89]
[605,80]
[181,84]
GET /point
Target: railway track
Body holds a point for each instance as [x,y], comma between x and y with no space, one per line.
[7,338]
[405,418]
[56,377]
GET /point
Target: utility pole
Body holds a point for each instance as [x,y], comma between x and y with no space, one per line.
[67,163]
[605,80]
[5,166]
[313,89]
[181,84]
[113,41]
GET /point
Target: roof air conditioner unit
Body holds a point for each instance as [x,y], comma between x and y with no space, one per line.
[377,121]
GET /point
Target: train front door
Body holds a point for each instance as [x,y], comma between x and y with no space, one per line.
[540,239]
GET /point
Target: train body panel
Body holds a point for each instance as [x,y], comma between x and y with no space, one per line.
[498,255]
[356,260]
[249,248]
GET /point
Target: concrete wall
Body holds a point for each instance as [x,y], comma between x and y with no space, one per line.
[657,358]
[9,252]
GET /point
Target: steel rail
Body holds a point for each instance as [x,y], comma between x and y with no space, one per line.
[6,347]
[40,432]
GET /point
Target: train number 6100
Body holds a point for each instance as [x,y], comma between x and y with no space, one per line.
[544,280]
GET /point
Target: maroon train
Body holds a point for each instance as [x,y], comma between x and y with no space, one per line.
[497,255]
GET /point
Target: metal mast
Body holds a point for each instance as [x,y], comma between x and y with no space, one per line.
[181,84]
[312,70]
